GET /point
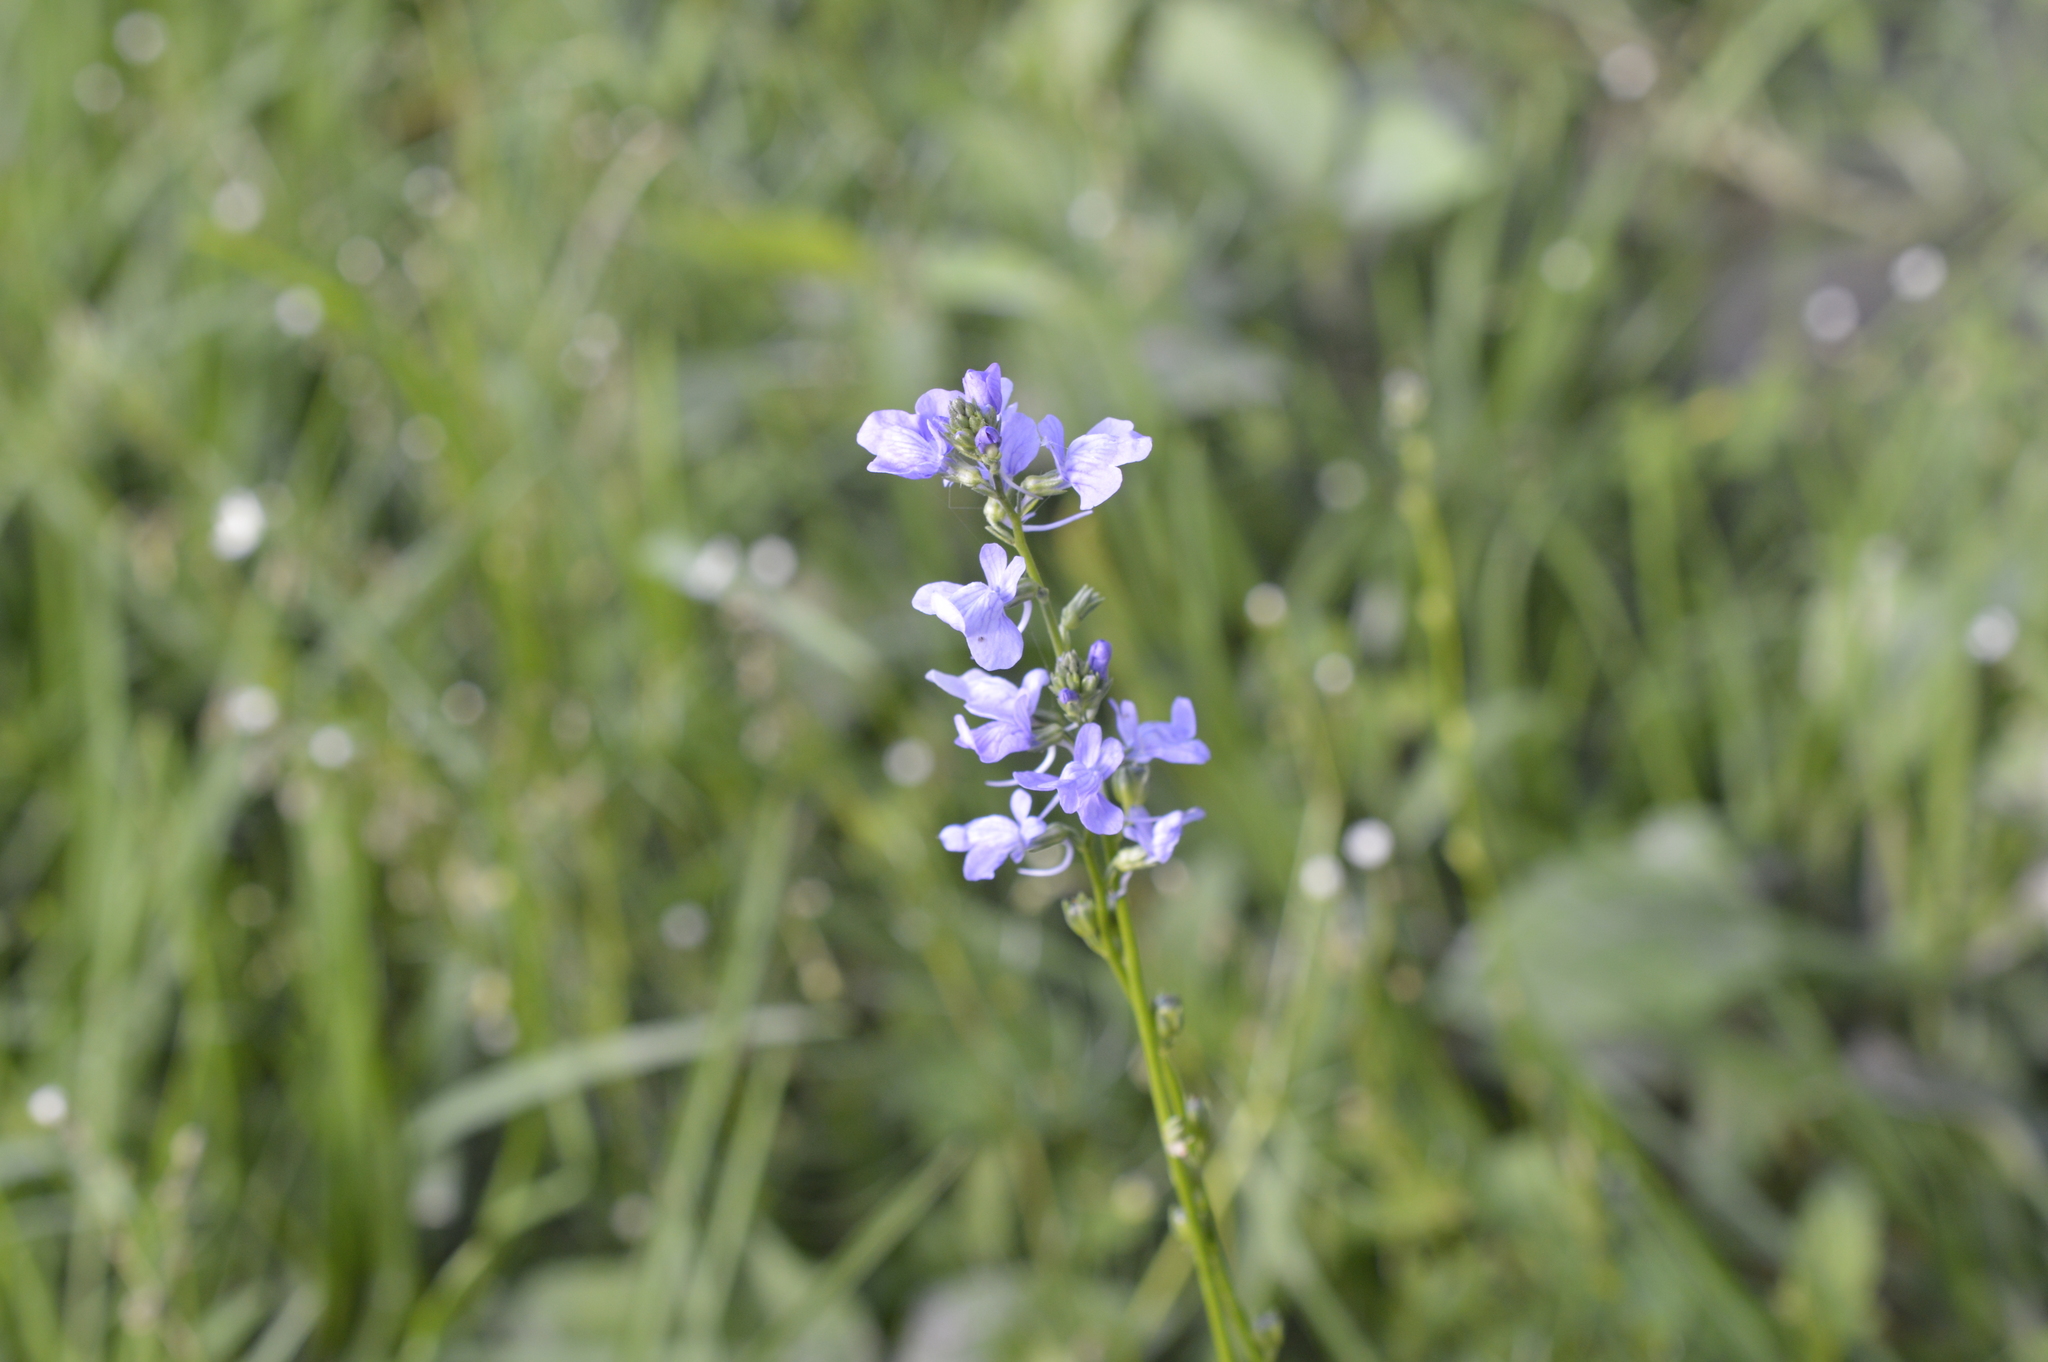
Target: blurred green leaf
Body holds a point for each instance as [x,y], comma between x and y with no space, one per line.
[1247,73]
[1829,1289]
[1657,936]
[496,1094]
[1410,162]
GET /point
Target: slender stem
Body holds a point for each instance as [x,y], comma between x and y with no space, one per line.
[1055,631]
[1219,1300]
[1226,1315]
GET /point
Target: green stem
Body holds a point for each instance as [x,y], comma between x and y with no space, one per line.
[1219,1299]
[1055,632]
[1228,1326]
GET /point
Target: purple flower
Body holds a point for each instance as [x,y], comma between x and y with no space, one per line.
[1098,658]
[981,611]
[1080,785]
[991,697]
[1173,741]
[1089,465]
[992,839]
[1157,837]
[910,444]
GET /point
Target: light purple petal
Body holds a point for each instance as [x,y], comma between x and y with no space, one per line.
[900,444]
[1054,436]
[1126,444]
[996,740]
[1036,780]
[989,697]
[953,837]
[939,598]
[962,687]
[1127,725]
[982,860]
[936,406]
[1092,470]
[1157,837]
[994,563]
[986,388]
[1098,814]
[1020,443]
[1087,744]
[993,640]
[1020,807]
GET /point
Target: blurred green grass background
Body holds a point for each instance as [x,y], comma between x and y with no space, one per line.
[467,874]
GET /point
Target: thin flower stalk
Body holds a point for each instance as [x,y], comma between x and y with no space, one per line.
[977,438]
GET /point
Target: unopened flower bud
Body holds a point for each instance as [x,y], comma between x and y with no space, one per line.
[1068,695]
[1084,601]
[995,513]
[1168,1017]
[1268,1333]
[1079,912]
[1186,1136]
[1098,658]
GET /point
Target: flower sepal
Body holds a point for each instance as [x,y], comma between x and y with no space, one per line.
[1129,859]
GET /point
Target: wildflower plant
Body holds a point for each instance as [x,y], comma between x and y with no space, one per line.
[1094,782]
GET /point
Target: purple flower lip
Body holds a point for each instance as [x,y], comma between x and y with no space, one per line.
[980,611]
[1010,706]
[1080,784]
[1157,837]
[909,444]
[1091,464]
[992,839]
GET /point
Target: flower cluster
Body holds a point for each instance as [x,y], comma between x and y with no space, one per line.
[977,438]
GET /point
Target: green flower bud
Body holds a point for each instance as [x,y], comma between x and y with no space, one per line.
[1168,1017]
[1129,783]
[1079,912]
[1186,1136]
[1080,607]
[1268,1333]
